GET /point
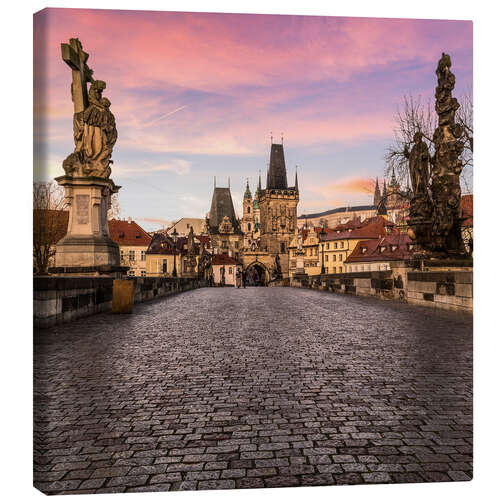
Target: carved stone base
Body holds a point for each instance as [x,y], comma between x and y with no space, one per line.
[87,244]
[82,250]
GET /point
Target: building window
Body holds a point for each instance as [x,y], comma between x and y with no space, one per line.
[131,255]
[341,244]
[334,270]
[230,270]
[164,266]
[131,273]
[334,257]
[335,245]
[340,257]
[326,257]
[143,255]
[248,210]
[249,226]
[122,255]
[283,248]
[143,273]
[236,244]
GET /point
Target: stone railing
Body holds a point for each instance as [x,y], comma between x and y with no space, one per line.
[441,289]
[449,289]
[62,299]
[374,283]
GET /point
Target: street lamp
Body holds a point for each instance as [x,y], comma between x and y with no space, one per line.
[174,237]
[322,234]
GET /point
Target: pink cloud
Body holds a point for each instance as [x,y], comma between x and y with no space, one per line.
[258,74]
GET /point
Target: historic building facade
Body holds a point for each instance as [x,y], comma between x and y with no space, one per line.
[260,240]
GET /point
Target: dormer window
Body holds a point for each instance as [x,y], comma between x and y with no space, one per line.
[393,248]
[382,249]
[363,249]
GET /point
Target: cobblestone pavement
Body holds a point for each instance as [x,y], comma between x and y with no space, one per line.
[250,388]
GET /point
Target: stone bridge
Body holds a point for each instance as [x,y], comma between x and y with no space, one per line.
[257,387]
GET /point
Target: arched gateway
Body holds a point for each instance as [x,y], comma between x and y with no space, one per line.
[257,274]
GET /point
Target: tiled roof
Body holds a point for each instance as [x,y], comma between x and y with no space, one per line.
[222,205]
[223,259]
[396,247]
[467,203]
[371,228]
[128,233]
[276,175]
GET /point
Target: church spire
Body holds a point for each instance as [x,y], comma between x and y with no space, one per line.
[247,194]
[296,180]
[259,188]
[377,196]
[393,178]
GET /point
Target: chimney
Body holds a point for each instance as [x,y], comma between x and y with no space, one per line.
[129,220]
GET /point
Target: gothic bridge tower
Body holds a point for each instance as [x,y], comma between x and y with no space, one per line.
[278,208]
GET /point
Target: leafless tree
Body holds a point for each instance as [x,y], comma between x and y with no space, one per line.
[115,211]
[414,116]
[50,221]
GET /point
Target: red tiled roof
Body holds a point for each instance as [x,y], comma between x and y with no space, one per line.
[224,259]
[370,250]
[128,233]
[466,204]
[370,228]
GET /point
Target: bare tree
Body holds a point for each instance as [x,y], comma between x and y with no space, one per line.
[50,223]
[115,211]
[414,116]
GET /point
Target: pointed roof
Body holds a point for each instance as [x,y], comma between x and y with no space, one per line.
[276,175]
[247,194]
[296,181]
[222,205]
[393,178]
[376,195]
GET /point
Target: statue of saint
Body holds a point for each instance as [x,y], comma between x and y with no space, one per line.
[95,133]
[419,159]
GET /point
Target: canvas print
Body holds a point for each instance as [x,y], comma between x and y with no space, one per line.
[252,251]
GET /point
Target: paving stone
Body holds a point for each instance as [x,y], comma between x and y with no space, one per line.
[188,389]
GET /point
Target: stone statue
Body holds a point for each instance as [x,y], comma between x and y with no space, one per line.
[446,166]
[435,221]
[87,247]
[277,267]
[191,253]
[94,128]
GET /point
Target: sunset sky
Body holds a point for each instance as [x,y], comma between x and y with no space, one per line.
[197,96]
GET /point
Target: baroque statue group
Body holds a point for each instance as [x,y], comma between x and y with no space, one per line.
[435,213]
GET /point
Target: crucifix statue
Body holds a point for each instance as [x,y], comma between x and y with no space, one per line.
[87,247]
[94,127]
[76,58]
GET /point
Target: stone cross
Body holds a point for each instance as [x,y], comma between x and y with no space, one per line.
[75,57]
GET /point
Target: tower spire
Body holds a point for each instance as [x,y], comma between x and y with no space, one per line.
[376,195]
[215,182]
[260,184]
[296,180]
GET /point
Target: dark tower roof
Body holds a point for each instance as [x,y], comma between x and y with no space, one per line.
[377,196]
[222,205]
[276,175]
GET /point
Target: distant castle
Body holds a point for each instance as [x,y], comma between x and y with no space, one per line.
[387,203]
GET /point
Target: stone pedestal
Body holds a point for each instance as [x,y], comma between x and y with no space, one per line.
[299,268]
[87,248]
